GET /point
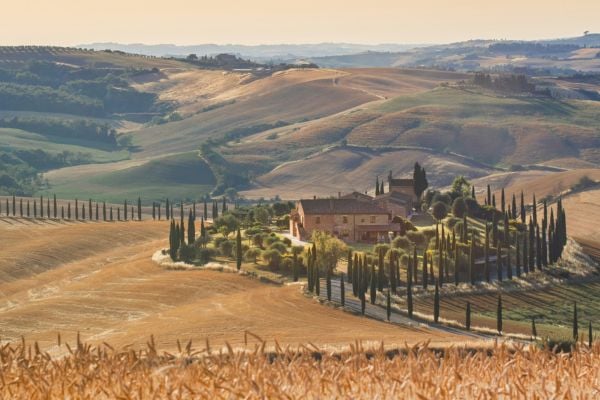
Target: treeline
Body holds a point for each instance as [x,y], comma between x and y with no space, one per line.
[67,128]
[529,48]
[50,87]
[230,61]
[506,83]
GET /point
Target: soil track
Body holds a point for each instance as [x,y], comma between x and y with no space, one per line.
[98,278]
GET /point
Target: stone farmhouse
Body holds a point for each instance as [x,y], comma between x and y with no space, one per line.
[357,217]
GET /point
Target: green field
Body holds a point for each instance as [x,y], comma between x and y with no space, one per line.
[183,176]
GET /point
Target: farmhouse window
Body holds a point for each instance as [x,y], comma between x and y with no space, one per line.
[345,219]
[317,220]
[373,219]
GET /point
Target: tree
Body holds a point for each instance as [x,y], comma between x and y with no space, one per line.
[125,210]
[380,270]
[419,180]
[533,329]
[409,300]
[377,186]
[329,249]
[460,187]
[373,286]
[388,307]
[205,210]
[499,262]
[518,255]
[459,207]
[489,195]
[472,261]
[439,211]
[191,229]
[238,247]
[349,268]
[154,210]
[499,315]
[273,258]
[575,323]
[168,210]
[468,317]
[139,209]
[342,290]
[41,206]
[55,207]
[514,207]
[503,202]
[328,284]
[523,213]
[436,303]
[425,277]
[104,210]
[486,254]
[381,191]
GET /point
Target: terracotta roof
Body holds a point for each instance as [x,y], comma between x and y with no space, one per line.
[395,197]
[340,206]
[357,196]
[401,182]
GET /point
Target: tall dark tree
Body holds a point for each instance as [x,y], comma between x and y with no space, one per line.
[381,189]
[68,209]
[380,270]
[514,207]
[125,210]
[392,273]
[468,317]
[486,254]
[83,211]
[499,315]
[543,233]
[62,211]
[377,186]
[158,210]
[205,209]
[489,195]
[523,213]
[35,208]
[436,303]
[349,268]
[328,283]
[111,213]
[14,205]
[41,206]
[456,264]
[499,262]
[55,206]
[473,192]
[168,210]
[182,233]
[509,273]
[373,285]
[21,208]
[472,261]
[342,290]
[139,209]
[192,234]
[503,202]
[419,180]
[224,205]
[525,252]
[534,210]
[388,307]
[533,329]
[518,255]
[90,208]
[425,277]
[153,210]
[97,211]
[409,300]
[118,213]
[29,210]
[575,323]
[538,248]
[531,245]
[238,244]
[590,336]
[48,207]
[506,230]
[104,210]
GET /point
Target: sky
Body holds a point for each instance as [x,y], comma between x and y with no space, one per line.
[71,22]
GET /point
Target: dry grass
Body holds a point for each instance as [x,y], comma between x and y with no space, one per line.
[299,373]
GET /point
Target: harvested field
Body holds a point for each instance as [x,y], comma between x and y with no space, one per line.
[98,279]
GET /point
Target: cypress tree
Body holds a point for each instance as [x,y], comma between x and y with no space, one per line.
[90,208]
[34,208]
[409,300]
[238,245]
[181,213]
[531,246]
[224,206]
[436,303]
[415,265]
[441,268]
[41,206]
[182,233]
[167,210]
[192,236]
[468,317]
[381,188]
[28,210]
[388,307]
[21,208]
[355,271]
[48,207]
[523,213]
[551,239]
[317,278]
[499,315]
[518,255]
[534,210]
[373,285]
[392,272]
[118,213]
[139,209]
[473,191]
[380,270]
[194,208]
[397,264]
[349,269]
[83,211]
[125,210]
[502,202]
[328,282]
[309,271]
[533,329]
[486,254]
[132,213]
[425,277]
[202,228]
[62,211]
[172,214]
[104,210]
[456,265]
[153,210]
[205,211]
[68,209]
[7,208]
[506,230]
[377,186]
[538,248]
[472,261]
[76,210]
[494,201]
[499,262]
[575,324]
[509,273]
[543,234]
[342,290]
[55,207]
[96,211]
[111,213]
[494,228]
[14,206]
[158,210]
[489,195]
[363,303]
[514,207]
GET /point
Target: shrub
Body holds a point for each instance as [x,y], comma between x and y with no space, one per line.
[252,254]
[402,242]
[442,198]
[279,246]
[273,258]
[204,255]
[452,222]
[459,207]
[219,240]
[186,253]
[472,206]
[226,248]
[440,210]
[287,242]
[418,238]
[270,239]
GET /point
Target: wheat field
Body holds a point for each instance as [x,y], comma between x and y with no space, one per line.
[101,372]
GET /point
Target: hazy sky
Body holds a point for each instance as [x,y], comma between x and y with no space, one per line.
[69,22]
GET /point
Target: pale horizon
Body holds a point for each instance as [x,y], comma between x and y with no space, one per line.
[269,22]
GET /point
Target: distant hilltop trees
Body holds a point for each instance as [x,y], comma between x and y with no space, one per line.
[513,83]
[231,61]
